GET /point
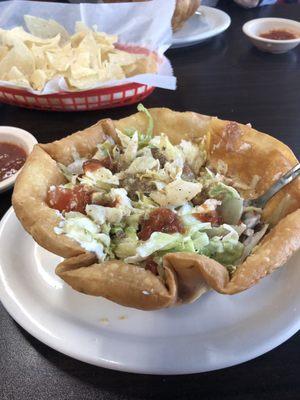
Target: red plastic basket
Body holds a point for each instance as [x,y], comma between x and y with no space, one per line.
[94,99]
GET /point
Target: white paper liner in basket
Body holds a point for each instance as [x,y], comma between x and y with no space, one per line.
[146,25]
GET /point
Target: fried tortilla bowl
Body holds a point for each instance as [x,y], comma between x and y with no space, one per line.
[246,153]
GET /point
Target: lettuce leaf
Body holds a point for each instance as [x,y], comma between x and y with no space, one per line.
[193,225]
[216,189]
[87,233]
[149,132]
[166,148]
[104,149]
[200,240]
[71,178]
[130,148]
[102,215]
[142,164]
[144,202]
[143,138]
[220,191]
[126,247]
[226,251]
[119,196]
[194,155]
[102,178]
[176,193]
[157,241]
[231,208]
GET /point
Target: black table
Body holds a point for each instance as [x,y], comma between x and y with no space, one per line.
[226,77]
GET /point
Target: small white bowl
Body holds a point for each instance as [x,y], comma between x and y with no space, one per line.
[254,28]
[24,139]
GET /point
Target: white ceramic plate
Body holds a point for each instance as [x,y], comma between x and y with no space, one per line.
[215,332]
[199,28]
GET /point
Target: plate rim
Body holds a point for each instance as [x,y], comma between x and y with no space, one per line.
[25,322]
[178,43]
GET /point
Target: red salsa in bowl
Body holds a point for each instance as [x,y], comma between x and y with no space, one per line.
[12,158]
[278,34]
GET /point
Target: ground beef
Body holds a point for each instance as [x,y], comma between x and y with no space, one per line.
[187,173]
[159,156]
[120,235]
[199,199]
[102,199]
[133,184]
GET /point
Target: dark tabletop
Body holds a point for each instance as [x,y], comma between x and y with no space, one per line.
[226,77]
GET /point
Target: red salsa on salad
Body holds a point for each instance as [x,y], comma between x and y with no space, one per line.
[93,164]
[64,199]
[160,220]
[211,216]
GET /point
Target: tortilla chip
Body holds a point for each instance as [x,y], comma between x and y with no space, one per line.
[85,59]
[19,56]
[45,29]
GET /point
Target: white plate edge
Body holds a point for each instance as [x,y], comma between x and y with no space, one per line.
[14,311]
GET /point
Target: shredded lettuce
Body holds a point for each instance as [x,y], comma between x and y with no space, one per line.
[231,210]
[87,233]
[102,178]
[176,193]
[157,241]
[220,191]
[126,247]
[143,109]
[182,244]
[143,138]
[71,178]
[112,215]
[144,202]
[174,169]
[194,155]
[227,251]
[216,189]
[133,220]
[193,225]
[130,147]
[224,229]
[200,240]
[142,164]
[102,215]
[166,148]
[104,150]
[119,196]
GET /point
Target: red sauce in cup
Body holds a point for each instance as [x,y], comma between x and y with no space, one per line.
[12,158]
[278,34]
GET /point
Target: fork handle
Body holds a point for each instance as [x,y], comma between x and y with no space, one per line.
[278,185]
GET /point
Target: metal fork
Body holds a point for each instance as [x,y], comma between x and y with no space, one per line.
[262,200]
